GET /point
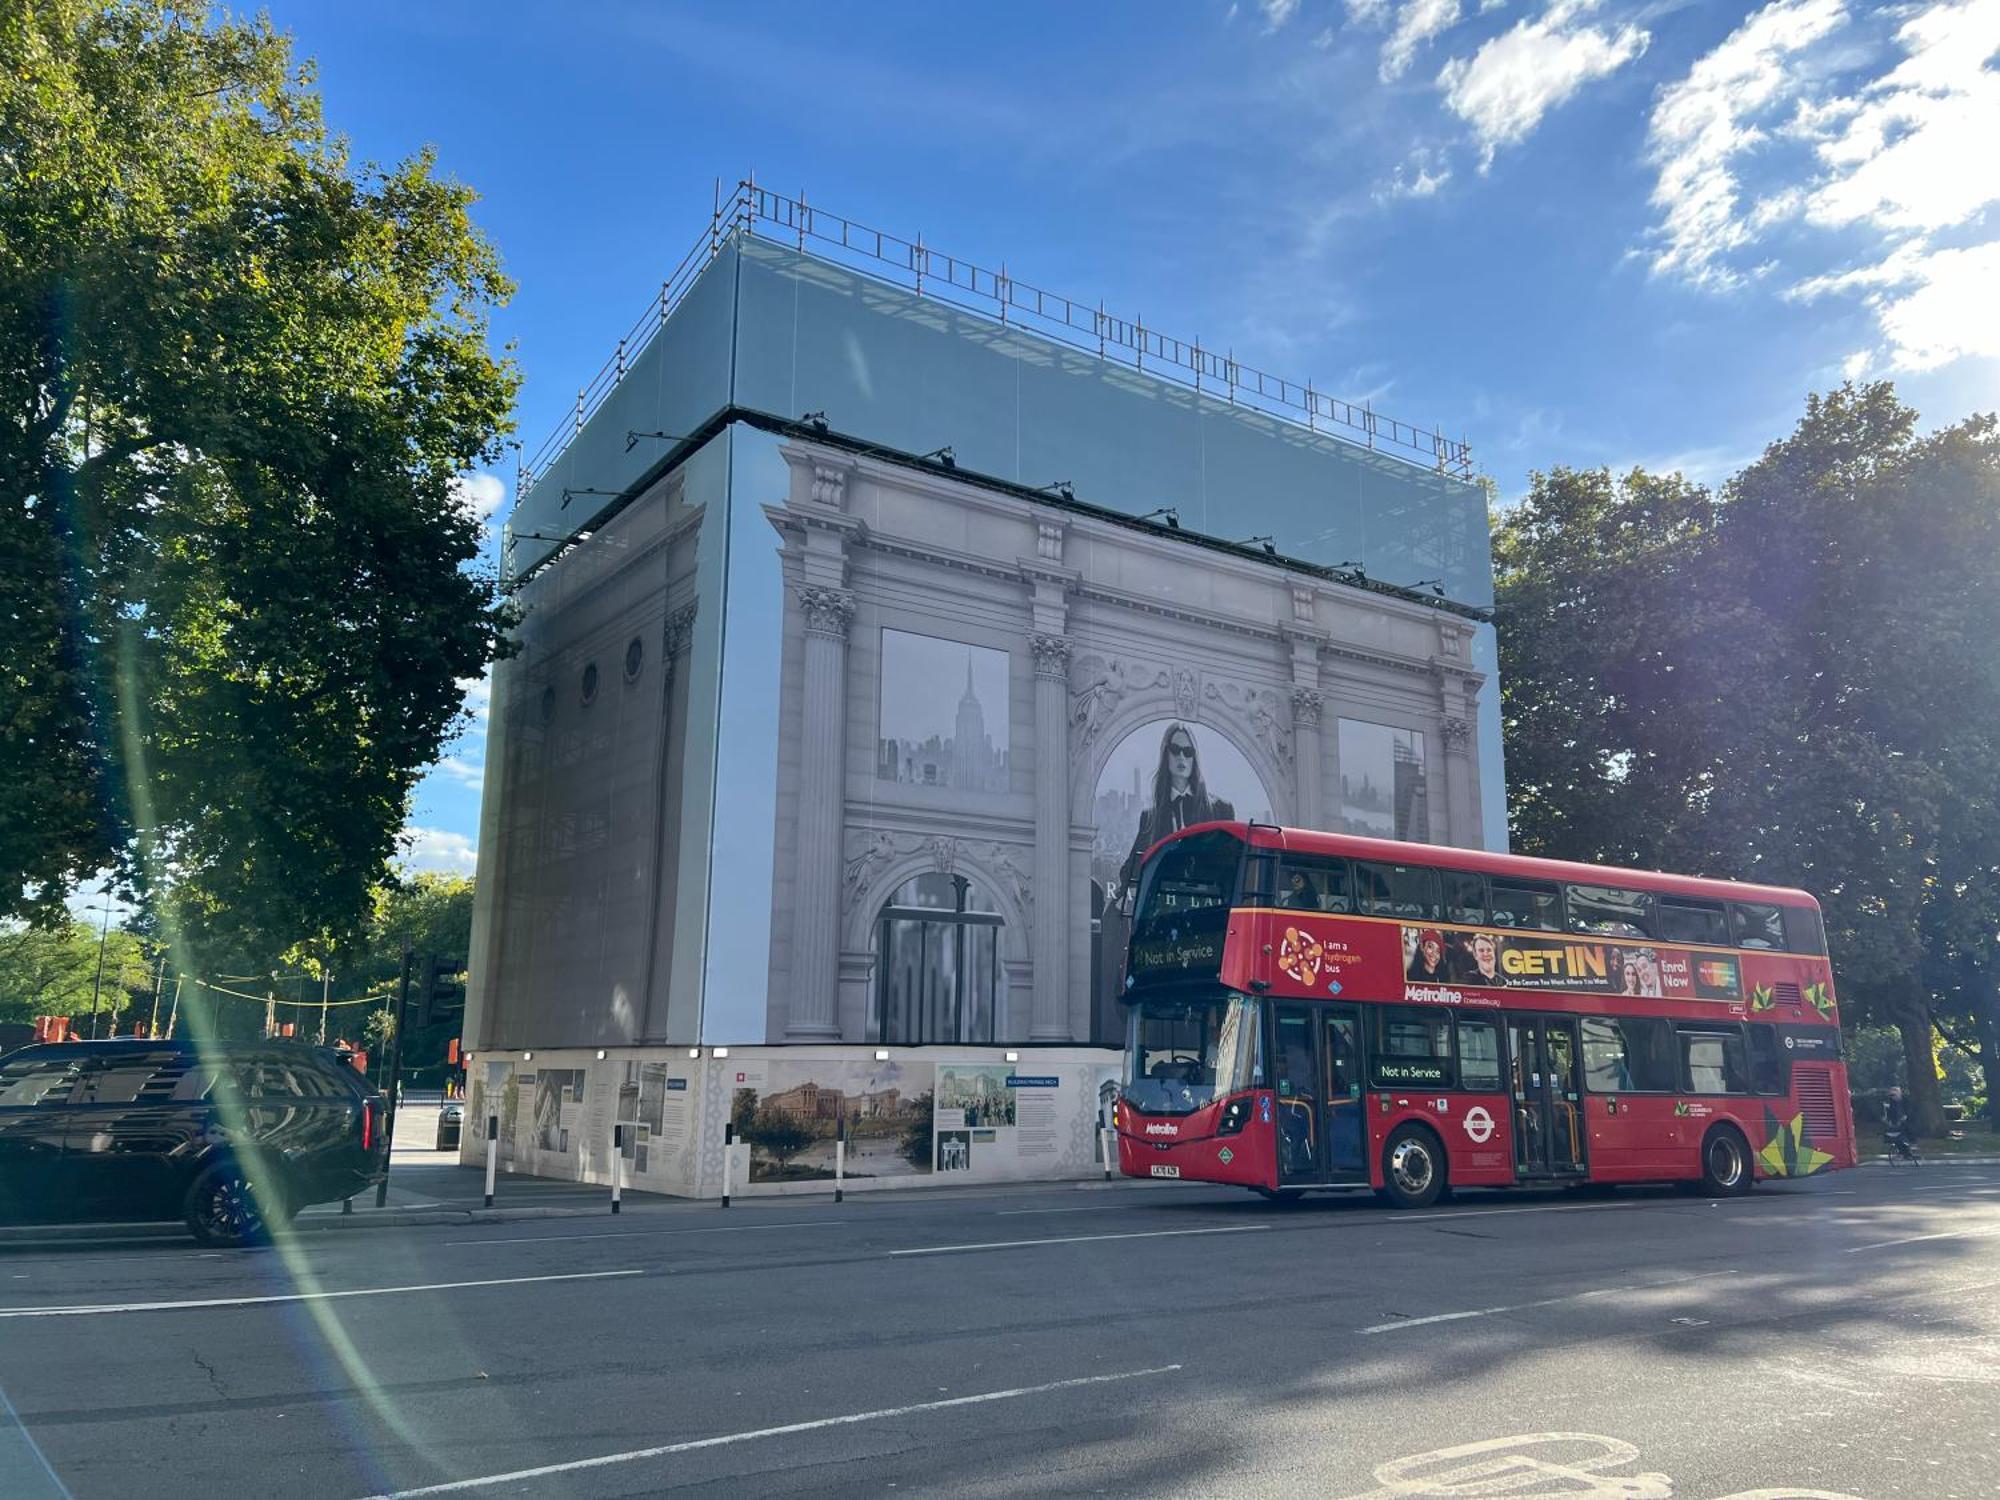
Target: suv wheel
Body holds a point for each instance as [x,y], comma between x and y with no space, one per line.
[225,1209]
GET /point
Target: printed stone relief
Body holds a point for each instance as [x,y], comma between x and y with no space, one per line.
[1100,684]
[827,611]
[872,851]
[829,486]
[1260,711]
[1306,703]
[1051,655]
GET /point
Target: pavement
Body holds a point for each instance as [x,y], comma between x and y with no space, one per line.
[1834,1337]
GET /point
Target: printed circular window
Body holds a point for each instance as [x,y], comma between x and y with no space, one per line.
[548,704]
[590,682]
[635,657]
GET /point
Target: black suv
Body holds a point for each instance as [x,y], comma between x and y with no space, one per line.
[231,1136]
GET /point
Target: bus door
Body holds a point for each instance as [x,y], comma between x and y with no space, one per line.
[1545,1066]
[1322,1122]
[1345,1118]
[1296,1079]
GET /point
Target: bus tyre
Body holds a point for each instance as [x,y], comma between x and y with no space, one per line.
[1413,1168]
[1725,1163]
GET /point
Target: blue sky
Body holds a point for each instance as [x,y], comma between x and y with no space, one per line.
[1582,233]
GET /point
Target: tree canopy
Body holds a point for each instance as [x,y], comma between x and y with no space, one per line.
[1794,681]
[240,378]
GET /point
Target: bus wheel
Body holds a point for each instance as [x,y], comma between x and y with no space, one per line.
[1725,1163]
[1413,1168]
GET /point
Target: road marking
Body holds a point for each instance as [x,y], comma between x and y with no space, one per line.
[1099,1208]
[1918,1239]
[665,1450]
[1080,1239]
[1481,1213]
[1487,1312]
[637,1234]
[87,1308]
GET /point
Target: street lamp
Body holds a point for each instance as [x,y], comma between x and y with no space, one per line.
[103,934]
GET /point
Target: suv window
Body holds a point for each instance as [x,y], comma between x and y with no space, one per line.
[135,1076]
[44,1079]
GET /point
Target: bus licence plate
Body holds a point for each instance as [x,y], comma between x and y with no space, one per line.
[1166,1171]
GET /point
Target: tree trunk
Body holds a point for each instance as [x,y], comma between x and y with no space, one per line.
[1986,1007]
[1920,1066]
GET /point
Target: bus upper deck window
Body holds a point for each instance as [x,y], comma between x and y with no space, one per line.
[1532,904]
[1607,911]
[1757,924]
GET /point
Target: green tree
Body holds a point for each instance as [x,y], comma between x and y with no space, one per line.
[54,971]
[915,1146]
[779,1134]
[240,377]
[1794,682]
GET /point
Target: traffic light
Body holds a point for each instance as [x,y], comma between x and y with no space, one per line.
[440,989]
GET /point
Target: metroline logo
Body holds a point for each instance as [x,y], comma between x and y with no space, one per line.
[1163,1130]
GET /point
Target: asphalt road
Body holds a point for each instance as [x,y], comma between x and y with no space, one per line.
[1840,1336]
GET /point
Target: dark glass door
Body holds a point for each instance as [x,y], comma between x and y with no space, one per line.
[1297,1078]
[1343,1116]
[1545,1069]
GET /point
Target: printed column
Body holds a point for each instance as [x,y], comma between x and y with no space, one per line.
[1052,910]
[815,1012]
[1306,768]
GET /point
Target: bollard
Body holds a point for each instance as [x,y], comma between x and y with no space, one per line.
[617,1162]
[840,1154]
[346,1206]
[1110,1152]
[728,1156]
[492,1154]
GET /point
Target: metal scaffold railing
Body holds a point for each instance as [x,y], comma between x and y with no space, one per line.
[929,272]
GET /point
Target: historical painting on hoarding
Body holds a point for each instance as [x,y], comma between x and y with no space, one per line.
[790,1114]
[931,735]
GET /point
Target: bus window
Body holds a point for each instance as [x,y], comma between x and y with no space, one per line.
[1533,904]
[1190,874]
[1651,1056]
[1803,932]
[1606,1069]
[1757,925]
[1685,921]
[1312,882]
[1185,1053]
[1412,1047]
[1465,898]
[1712,1062]
[1398,891]
[1478,1054]
[1605,911]
[1767,1066]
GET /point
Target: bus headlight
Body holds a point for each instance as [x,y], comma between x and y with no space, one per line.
[1235,1115]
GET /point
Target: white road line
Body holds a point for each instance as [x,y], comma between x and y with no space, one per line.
[1918,1239]
[1100,1208]
[639,1234]
[1487,1312]
[87,1308]
[1481,1213]
[664,1450]
[1080,1239]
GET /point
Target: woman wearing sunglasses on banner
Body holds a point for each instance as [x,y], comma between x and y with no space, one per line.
[1179,799]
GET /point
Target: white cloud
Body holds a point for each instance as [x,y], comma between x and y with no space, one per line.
[1919,151]
[1416,23]
[1895,151]
[1419,176]
[1933,306]
[1503,90]
[1367,12]
[1277,12]
[477,699]
[1701,124]
[439,849]
[466,773]
[480,494]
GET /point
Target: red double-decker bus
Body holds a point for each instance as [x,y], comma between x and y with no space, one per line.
[1310,1010]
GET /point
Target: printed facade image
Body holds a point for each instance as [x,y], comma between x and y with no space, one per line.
[1384,788]
[790,1114]
[928,736]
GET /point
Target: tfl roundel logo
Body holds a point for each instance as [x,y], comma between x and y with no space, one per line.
[1479,1125]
